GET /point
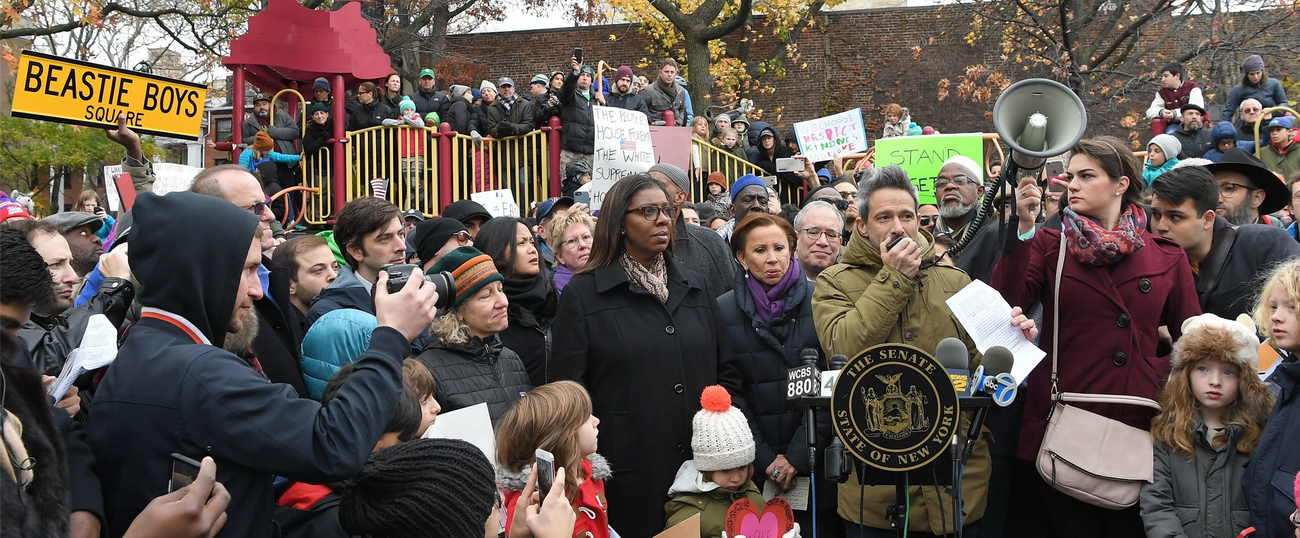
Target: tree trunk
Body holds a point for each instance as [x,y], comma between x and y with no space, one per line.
[698,74]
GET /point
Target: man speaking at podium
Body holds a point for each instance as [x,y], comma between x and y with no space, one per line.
[889,290]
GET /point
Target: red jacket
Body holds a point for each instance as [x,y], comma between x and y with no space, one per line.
[590,503]
[1110,318]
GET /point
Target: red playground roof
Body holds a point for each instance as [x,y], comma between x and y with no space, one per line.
[289,41]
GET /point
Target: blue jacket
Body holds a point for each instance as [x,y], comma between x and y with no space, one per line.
[1151,171]
[1269,93]
[337,338]
[348,291]
[1221,131]
[1269,481]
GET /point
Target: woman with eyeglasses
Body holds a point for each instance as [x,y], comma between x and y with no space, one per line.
[768,320]
[1118,285]
[533,299]
[572,230]
[643,335]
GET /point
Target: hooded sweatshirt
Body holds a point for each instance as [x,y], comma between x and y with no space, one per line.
[692,494]
[1222,130]
[173,389]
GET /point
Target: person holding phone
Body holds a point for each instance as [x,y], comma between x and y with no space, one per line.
[89,203]
[173,389]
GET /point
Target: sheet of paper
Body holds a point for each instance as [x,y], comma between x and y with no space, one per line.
[686,529]
[797,496]
[98,349]
[986,316]
[472,424]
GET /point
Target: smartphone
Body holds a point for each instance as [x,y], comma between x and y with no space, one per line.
[577,54]
[770,180]
[1054,168]
[545,465]
[582,197]
[98,210]
[789,165]
[184,472]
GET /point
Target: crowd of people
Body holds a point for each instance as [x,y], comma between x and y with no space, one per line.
[302,373]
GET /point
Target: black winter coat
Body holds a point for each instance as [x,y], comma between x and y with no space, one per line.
[459,112]
[1269,481]
[496,121]
[579,125]
[41,510]
[50,339]
[434,101]
[645,364]
[278,345]
[373,114]
[765,355]
[532,309]
[478,371]
[543,111]
[631,101]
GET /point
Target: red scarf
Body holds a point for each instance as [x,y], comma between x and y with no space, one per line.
[1092,244]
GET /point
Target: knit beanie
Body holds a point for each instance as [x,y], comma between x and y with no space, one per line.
[719,178]
[675,173]
[967,164]
[405,104]
[458,90]
[720,434]
[321,84]
[423,487]
[262,142]
[431,235]
[431,119]
[745,181]
[623,71]
[487,85]
[471,269]
[11,209]
[1253,63]
[319,107]
[914,130]
[1168,144]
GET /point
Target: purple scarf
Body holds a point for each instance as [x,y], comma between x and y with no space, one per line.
[562,277]
[770,303]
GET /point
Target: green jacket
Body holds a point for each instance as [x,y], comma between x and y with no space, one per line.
[712,507]
[1286,164]
[860,303]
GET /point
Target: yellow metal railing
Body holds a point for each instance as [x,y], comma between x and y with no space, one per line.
[518,163]
[404,158]
[707,158]
[1268,113]
[318,176]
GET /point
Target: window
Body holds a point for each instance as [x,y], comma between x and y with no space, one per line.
[224,129]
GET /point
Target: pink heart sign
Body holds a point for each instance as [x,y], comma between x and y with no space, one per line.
[744,519]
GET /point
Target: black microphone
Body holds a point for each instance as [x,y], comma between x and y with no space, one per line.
[994,377]
[952,354]
[838,361]
[809,356]
[805,379]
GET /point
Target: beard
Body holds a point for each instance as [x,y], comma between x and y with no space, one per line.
[1240,216]
[238,342]
[957,211]
[84,260]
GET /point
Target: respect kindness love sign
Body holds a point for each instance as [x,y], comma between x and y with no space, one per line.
[839,134]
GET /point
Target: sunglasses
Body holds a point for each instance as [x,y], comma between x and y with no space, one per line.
[927,219]
[257,208]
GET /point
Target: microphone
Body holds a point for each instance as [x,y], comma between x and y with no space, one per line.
[838,362]
[809,356]
[994,376]
[805,379]
[952,354]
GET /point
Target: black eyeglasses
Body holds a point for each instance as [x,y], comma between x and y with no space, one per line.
[839,203]
[1227,188]
[257,208]
[651,212]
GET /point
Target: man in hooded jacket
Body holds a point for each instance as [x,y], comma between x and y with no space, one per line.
[174,390]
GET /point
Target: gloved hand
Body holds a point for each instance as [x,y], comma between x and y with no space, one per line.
[504,130]
[391,122]
[478,138]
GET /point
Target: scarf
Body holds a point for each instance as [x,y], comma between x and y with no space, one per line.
[771,303]
[1092,244]
[533,296]
[508,102]
[653,279]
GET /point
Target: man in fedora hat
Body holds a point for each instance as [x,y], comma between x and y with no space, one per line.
[1248,191]
[1196,140]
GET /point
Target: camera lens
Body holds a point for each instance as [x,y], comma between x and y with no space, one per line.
[445,285]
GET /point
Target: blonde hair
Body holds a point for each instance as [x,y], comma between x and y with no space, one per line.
[548,417]
[86,195]
[560,223]
[449,328]
[1286,275]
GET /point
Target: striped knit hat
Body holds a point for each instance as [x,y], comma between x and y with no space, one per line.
[471,269]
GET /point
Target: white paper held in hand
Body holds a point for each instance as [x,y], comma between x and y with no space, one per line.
[98,349]
[986,316]
[472,424]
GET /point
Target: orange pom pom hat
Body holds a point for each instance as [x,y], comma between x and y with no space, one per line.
[721,438]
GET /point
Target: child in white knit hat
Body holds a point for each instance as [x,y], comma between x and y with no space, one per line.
[722,470]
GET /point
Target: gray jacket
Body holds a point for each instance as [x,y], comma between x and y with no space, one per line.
[657,100]
[1197,499]
[702,250]
[285,132]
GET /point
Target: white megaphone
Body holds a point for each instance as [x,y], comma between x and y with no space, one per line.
[1039,118]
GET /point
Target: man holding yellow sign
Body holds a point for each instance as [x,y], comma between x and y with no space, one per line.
[57,89]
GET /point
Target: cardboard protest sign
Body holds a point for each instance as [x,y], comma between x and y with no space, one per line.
[498,203]
[821,139]
[623,147]
[57,89]
[171,177]
[923,156]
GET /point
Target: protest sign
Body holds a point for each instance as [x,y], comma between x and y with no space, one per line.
[923,156]
[823,138]
[623,147]
[169,177]
[673,145]
[110,188]
[471,424]
[57,89]
[498,203]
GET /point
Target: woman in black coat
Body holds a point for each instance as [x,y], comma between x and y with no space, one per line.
[768,320]
[466,357]
[641,332]
[459,110]
[532,296]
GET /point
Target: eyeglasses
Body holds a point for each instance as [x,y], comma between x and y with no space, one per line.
[1227,188]
[1251,110]
[927,219]
[839,203]
[651,212]
[816,233]
[462,237]
[257,208]
[584,239]
[958,181]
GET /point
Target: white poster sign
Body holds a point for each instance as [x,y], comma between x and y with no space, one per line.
[170,177]
[838,134]
[499,203]
[110,187]
[623,148]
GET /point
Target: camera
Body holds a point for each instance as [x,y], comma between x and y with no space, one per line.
[443,282]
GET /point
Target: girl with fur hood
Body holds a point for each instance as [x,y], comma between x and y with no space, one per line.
[1213,410]
[556,418]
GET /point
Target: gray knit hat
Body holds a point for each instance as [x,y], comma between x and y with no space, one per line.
[1168,144]
[674,173]
[1253,63]
[720,437]
[487,85]
[458,90]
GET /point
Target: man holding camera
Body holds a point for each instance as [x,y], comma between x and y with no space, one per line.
[370,235]
[173,390]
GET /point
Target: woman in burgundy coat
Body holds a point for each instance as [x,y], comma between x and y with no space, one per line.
[1120,285]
